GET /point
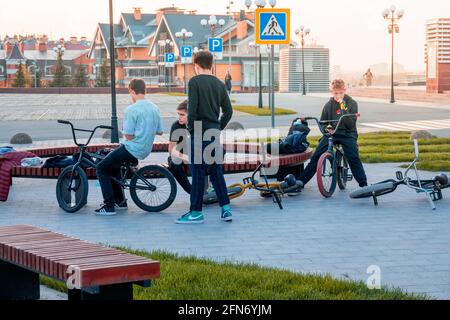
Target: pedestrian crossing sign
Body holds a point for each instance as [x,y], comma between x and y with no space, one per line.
[273,26]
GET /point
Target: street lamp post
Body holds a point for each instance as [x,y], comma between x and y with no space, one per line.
[392,17]
[213,24]
[183,35]
[230,12]
[258,56]
[112,58]
[262,4]
[303,33]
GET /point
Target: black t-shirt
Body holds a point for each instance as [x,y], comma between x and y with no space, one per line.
[180,136]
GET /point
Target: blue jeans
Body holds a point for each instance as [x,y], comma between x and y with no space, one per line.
[198,171]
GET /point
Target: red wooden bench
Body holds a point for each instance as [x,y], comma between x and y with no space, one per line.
[242,164]
[91,271]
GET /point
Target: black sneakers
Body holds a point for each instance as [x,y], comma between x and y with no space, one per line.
[105,211]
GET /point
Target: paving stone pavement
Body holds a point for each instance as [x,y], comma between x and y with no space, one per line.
[343,237]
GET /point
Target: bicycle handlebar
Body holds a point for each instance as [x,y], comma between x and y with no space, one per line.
[83,130]
[320,123]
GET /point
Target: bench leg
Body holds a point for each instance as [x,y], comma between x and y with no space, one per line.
[111,292]
[17,283]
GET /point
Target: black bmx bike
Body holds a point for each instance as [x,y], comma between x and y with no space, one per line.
[332,168]
[152,188]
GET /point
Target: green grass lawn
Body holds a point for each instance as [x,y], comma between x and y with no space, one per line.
[382,147]
[254,110]
[190,278]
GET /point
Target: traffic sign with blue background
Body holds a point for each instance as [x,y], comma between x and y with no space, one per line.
[169,60]
[186,54]
[273,26]
[215,45]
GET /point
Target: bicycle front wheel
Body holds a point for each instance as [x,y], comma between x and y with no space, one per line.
[326,177]
[72,189]
[376,190]
[153,188]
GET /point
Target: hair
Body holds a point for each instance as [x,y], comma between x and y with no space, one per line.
[138,86]
[204,59]
[183,106]
[338,84]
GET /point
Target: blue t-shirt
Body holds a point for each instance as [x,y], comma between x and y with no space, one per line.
[143,121]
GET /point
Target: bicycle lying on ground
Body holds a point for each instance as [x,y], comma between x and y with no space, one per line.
[152,188]
[332,167]
[290,186]
[432,188]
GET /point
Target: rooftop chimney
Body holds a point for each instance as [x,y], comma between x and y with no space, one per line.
[137,14]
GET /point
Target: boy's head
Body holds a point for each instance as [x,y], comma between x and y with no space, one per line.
[137,89]
[338,90]
[182,111]
[203,61]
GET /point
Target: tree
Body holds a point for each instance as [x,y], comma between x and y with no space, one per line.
[22,77]
[81,78]
[104,75]
[60,75]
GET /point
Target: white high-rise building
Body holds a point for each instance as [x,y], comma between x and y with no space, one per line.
[317,69]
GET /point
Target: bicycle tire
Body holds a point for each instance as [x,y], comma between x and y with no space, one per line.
[65,197]
[341,171]
[157,173]
[374,190]
[233,192]
[326,192]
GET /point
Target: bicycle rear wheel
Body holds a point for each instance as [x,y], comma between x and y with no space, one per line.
[153,188]
[326,177]
[72,189]
[374,190]
[233,192]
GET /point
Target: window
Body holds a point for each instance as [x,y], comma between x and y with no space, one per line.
[2,70]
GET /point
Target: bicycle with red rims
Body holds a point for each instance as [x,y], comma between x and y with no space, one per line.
[332,168]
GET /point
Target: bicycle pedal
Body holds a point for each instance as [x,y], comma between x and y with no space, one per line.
[349,177]
[399,175]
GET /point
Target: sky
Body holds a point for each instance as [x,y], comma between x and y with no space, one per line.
[354,30]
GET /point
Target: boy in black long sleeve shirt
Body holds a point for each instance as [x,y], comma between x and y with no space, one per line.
[346,134]
[207,98]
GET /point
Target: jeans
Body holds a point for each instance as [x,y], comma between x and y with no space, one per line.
[350,146]
[180,175]
[199,171]
[110,167]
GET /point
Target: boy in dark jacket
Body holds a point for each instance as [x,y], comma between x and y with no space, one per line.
[346,134]
[207,98]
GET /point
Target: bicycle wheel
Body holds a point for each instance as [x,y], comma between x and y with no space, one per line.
[153,188]
[326,177]
[233,192]
[374,190]
[341,171]
[72,196]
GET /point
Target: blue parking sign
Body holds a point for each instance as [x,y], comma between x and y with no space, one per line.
[169,60]
[215,45]
[186,54]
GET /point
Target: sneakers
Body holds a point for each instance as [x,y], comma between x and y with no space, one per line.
[105,211]
[121,206]
[192,217]
[226,215]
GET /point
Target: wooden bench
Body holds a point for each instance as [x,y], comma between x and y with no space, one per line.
[244,164]
[91,271]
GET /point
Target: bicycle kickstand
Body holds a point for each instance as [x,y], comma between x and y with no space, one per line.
[375,199]
[277,199]
[430,200]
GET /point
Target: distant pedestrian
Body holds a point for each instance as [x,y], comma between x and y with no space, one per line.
[228,83]
[368,77]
